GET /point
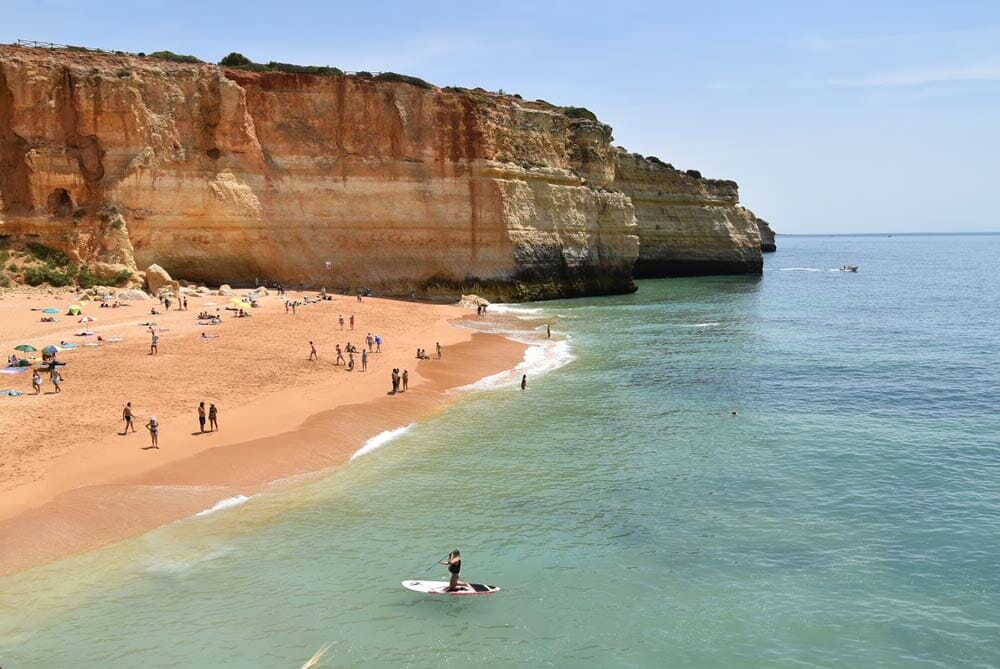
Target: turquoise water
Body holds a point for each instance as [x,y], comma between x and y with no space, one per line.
[848,516]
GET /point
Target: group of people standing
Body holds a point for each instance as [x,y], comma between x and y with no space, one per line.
[211,415]
[400,382]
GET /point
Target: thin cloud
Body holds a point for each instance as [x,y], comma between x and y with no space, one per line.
[820,43]
[934,75]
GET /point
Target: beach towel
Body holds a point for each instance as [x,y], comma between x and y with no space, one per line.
[13,370]
[11,392]
[113,340]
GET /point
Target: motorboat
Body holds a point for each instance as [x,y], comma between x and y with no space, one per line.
[848,268]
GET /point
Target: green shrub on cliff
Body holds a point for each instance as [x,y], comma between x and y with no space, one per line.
[234,59]
[404,78]
[580,112]
[175,57]
[239,61]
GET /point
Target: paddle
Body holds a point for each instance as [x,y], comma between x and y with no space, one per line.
[434,565]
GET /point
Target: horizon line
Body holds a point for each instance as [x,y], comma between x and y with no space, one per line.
[887,234]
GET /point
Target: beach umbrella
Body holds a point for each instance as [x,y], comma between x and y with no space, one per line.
[50,310]
[27,348]
[74,309]
[50,350]
[87,319]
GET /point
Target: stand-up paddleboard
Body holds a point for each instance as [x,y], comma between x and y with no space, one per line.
[439,588]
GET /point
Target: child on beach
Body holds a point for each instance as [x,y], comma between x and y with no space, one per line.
[313,355]
[56,379]
[36,382]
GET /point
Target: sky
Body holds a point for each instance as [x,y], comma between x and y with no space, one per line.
[834,117]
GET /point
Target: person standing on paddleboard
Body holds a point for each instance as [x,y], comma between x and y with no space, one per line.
[454,562]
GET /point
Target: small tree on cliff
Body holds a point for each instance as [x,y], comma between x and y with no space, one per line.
[235,60]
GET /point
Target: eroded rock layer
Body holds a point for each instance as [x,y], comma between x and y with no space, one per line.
[343,181]
[767,244]
[688,225]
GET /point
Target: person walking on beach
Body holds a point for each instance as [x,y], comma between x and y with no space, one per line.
[524,381]
[395,380]
[350,361]
[364,360]
[548,331]
[406,380]
[56,379]
[293,308]
[36,382]
[154,429]
[213,418]
[352,321]
[154,348]
[370,342]
[378,344]
[313,355]
[201,416]
[340,356]
[127,417]
[286,306]
[341,319]
[438,344]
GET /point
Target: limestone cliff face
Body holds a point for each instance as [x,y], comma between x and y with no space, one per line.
[767,244]
[226,175]
[688,225]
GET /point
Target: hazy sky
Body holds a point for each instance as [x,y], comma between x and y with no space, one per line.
[832,116]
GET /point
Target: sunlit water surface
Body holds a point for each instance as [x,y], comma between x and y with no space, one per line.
[848,516]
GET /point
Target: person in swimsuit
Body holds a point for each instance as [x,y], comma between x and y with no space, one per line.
[36,381]
[56,379]
[213,417]
[454,563]
[201,416]
[127,417]
[154,429]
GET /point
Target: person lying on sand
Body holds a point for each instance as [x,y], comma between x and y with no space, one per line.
[208,336]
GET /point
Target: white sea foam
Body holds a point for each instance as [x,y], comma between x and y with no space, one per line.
[538,359]
[227,503]
[704,325]
[514,310]
[381,439]
[802,269]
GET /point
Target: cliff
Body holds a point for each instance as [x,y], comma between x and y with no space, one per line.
[767,244]
[688,225]
[227,175]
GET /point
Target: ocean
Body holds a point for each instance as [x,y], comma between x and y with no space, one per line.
[848,515]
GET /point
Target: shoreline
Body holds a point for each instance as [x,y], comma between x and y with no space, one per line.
[95,492]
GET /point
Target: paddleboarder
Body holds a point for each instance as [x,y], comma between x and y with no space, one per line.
[454,563]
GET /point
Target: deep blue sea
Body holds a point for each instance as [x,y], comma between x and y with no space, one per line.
[847,516]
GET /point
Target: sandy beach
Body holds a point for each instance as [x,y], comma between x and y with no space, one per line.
[70,481]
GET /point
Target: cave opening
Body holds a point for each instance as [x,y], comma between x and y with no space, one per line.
[214,153]
[60,202]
